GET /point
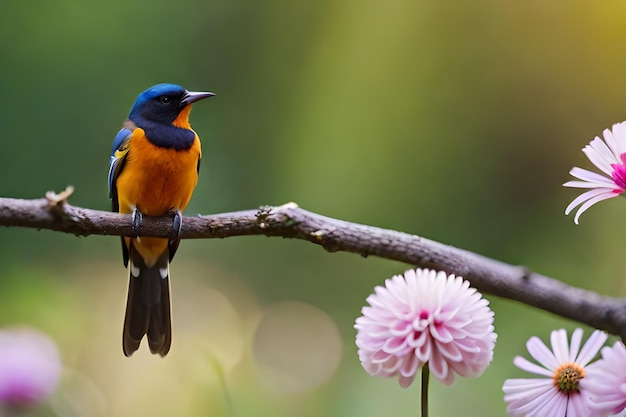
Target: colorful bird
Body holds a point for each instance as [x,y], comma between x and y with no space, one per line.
[153,172]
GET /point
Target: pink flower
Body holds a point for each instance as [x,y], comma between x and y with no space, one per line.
[425,317]
[606,381]
[610,157]
[560,392]
[30,367]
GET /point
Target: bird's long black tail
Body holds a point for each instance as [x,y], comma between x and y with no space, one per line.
[148,305]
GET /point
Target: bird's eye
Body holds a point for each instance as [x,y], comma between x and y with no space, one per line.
[165,100]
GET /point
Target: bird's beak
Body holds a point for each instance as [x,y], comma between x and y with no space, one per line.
[193,96]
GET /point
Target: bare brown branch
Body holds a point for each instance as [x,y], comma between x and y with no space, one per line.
[289,221]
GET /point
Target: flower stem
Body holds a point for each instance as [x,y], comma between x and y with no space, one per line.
[425,375]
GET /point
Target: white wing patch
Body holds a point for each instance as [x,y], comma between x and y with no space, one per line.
[164,271]
[134,270]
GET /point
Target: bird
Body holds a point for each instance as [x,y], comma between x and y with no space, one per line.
[153,170]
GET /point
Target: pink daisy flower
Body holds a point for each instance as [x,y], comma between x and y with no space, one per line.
[424,317]
[606,381]
[609,155]
[559,394]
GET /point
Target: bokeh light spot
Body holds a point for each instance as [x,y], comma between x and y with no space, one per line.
[296,347]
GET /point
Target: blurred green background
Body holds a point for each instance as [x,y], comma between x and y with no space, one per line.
[454,120]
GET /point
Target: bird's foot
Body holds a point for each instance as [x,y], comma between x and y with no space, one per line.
[178,221]
[137,219]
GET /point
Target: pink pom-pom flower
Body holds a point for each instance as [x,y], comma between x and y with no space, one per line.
[30,367]
[606,381]
[425,317]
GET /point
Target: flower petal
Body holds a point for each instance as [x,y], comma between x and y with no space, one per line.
[591,347]
[587,195]
[528,366]
[600,155]
[558,339]
[540,352]
[591,202]
[593,177]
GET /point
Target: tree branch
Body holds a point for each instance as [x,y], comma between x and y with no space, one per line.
[289,221]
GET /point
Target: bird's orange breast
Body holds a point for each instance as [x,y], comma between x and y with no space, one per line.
[156,180]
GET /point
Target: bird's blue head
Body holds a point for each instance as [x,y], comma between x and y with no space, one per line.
[163,103]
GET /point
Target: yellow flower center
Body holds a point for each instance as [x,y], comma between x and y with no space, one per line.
[567,376]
